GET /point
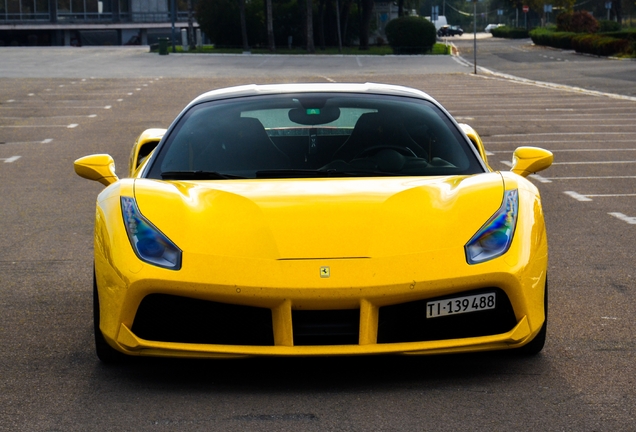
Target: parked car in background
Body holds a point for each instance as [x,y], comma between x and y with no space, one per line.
[449,30]
[489,27]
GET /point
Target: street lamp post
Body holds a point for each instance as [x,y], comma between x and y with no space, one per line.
[474,36]
[174,18]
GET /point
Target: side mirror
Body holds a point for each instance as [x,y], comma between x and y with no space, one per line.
[529,160]
[145,144]
[476,140]
[99,167]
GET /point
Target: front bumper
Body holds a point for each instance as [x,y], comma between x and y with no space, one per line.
[282,288]
[134,345]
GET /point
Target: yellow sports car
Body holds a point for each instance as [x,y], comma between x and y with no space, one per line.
[317,220]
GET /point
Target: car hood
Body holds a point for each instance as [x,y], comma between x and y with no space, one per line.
[320,218]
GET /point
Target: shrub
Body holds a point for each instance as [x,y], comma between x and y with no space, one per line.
[623,34]
[510,32]
[607,44]
[562,40]
[606,26]
[551,38]
[410,35]
[577,22]
[599,45]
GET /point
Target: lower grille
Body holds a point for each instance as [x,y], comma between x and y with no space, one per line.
[169,318]
[407,322]
[326,327]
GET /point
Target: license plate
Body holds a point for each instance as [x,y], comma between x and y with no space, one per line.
[460,305]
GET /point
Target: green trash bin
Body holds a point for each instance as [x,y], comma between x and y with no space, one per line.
[163,46]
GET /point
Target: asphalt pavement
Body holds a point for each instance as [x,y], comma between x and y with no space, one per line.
[60,104]
[522,59]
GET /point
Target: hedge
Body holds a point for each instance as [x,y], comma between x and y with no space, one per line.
[597,44]
[510,32]
[562,40]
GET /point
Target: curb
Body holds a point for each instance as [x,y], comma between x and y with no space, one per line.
[554,86]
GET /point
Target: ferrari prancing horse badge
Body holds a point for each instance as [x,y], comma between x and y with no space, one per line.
[325,272]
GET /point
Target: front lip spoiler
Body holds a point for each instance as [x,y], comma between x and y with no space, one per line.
[133,345]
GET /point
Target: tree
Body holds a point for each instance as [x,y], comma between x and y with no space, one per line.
[218,19]
[191,42]
[365,23]
[310,27]
[270,26]
[246,46]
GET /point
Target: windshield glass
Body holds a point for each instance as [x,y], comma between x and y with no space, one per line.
[313,135]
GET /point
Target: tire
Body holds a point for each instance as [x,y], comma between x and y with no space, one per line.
[105,352]
[535,346]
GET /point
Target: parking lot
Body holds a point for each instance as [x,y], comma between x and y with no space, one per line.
[50,378]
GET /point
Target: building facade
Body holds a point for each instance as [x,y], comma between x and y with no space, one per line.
[88,22]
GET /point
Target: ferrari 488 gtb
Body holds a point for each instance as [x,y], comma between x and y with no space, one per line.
[317,219]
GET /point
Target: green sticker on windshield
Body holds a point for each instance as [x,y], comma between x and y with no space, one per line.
[313,111]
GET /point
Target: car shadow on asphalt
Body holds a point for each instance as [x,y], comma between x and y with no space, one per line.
[320,373]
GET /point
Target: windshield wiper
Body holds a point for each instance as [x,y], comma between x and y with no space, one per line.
[197,175]
[304,173]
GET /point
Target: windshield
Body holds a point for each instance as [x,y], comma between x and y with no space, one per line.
[313,135]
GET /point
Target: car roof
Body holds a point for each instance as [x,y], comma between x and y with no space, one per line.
[275,89]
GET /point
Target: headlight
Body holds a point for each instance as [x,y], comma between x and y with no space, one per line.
[494,238]
[147,241]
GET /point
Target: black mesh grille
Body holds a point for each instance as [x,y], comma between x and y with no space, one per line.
[168,318]
[407,322]
[326,327]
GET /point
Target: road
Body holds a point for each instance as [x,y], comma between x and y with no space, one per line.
[523,59]
[81,101]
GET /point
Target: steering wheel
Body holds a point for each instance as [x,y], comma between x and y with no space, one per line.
[405,151]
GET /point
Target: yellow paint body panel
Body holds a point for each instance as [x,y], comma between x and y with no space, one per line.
[263,243]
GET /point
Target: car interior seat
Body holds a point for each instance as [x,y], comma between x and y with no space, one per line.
[374,130]
[229,144]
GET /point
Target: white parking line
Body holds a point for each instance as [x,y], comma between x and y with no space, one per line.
[540,179]
[507,163]
[70,126]
[594,163]
[558,133]
[591,178]
[624,218]
[52,117]
[92,107]
[577,196]
[588,197]
[610,195]
[543,142]
[571,150]
[10,159]
[44,141]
